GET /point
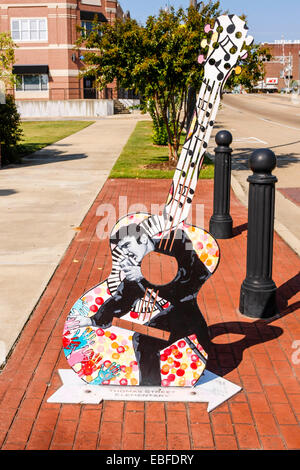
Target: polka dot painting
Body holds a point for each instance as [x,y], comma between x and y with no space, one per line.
[90,348]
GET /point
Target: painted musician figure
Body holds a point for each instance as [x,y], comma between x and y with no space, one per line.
[182,318]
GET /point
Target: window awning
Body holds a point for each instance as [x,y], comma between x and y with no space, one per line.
[22,69]
[90,15]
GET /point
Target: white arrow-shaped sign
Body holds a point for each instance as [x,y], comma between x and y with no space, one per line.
[210,388]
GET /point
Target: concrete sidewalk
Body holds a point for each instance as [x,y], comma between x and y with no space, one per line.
[41,205]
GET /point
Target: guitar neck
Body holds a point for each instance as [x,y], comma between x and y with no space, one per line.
[191,158]
[228,38]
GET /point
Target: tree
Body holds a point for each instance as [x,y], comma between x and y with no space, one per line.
[7,58]
[158,61]
[10,128]
[252,69]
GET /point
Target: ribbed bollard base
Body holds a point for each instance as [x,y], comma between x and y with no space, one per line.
[220,226]
[258,302]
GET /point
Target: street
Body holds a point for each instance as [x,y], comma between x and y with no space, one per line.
[266,121]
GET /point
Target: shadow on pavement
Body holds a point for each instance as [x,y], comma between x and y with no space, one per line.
[7,192]
[240,158]
[49,156]
[286,291]
[239,229]
[225,357]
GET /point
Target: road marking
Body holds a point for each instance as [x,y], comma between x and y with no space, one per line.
[279,124]
[263,119]
[232,107]
[250,140]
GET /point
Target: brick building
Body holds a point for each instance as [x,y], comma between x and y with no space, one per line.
[284,67]
[45,33]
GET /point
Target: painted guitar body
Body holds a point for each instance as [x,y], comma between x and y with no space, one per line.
[131,330]
[181,362]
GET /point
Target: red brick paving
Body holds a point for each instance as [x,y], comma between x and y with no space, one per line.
[252,353]
[293,194]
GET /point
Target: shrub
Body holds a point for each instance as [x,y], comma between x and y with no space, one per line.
[10,131]
[159,135]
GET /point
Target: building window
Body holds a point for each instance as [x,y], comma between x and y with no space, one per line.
[87,27]
[34,82]
[29,29]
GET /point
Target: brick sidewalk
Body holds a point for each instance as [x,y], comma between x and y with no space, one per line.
[248,352]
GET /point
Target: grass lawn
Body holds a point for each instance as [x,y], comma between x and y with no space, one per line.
[39,134]
[139,153]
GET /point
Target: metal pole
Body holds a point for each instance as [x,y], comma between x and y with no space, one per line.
[220,225]
[258,290]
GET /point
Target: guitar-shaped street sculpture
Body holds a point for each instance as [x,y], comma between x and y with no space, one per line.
[129,330]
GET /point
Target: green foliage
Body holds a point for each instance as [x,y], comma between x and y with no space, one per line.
[158,61]
[7,58]
[10,130]
[252,68]
[160,132]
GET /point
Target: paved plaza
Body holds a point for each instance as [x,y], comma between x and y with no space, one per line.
[260,356]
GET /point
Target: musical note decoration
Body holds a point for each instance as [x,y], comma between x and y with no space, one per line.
[207,28]
[128,330]
[225,46]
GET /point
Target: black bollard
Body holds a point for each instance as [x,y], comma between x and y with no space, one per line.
[258,291]
[220,224]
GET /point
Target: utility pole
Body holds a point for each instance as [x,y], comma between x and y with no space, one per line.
[283,59]
[290,69]
[287,70]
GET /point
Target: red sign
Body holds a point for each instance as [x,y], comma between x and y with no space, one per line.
[271,81]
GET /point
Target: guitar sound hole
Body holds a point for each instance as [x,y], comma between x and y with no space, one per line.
[159,269]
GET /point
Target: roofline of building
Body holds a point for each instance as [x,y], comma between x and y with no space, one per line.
[283,41]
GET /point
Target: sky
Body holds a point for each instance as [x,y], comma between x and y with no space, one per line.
[267,20]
